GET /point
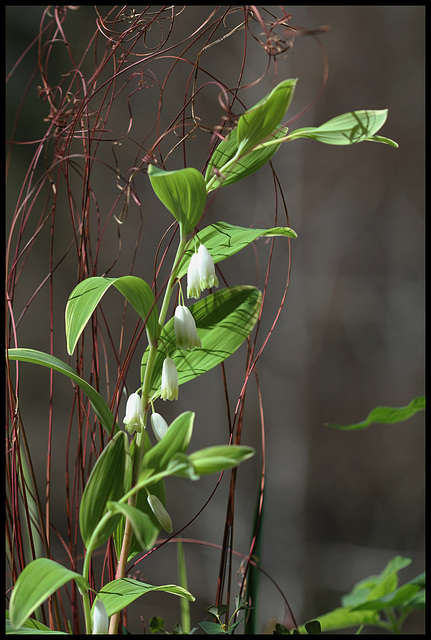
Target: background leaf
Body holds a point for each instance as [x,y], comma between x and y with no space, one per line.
[393,599]
[120,593]
[213,628]
[223,320]
[348,128]
[386,415]
[344,618]
[99,405]
[376,586]
[183,192]
[87,294]
[224,240]
[38,580]
[109,480]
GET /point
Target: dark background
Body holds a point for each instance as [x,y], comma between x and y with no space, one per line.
[338,505]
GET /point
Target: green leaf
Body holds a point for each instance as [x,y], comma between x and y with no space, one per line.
[313,627]
[212,628]
[260,121]
[87,294]
[156,624]
[223,320]
[224,240]
[221,171]
[99,405]
[109,480]
[417,601]
[386,415]
[393,599]
[181,465]
[30,627]
[217,610]
[118,594]
[214,459]
[176,440]
[419,580]
[348,128]
[38,580]
[234,626]
[344,618]
[156,488]
[141,523]
[183,192]
[383,140]
[376,586]
[379,587]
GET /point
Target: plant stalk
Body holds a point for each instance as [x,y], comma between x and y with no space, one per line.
[140,438]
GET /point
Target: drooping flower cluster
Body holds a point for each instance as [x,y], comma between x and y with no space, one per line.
[201,273]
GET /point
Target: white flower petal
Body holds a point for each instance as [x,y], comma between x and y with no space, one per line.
[159,424]
[185,329]
[100,618]
[169,389]
[206,268]
[134,418]
[193,279]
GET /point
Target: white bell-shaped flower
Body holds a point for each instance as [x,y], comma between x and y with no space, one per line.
[169,390]
[185,329]
[194,288]
[100,618]
[159,424]
[201,273]
[134,419]
[206,268]
[160,512]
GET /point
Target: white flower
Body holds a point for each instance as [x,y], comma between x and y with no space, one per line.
[201,273]
[159,424]
[160,512]
[185,329]
[194,289]
[134,419]
[169,380]
[100,618]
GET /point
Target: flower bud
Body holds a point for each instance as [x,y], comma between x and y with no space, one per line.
[169,389]
[159,424]
[100,618]
[134,419]
[201,273]
[160,512]
[185,329]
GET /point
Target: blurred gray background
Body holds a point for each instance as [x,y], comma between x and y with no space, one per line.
[338,505]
